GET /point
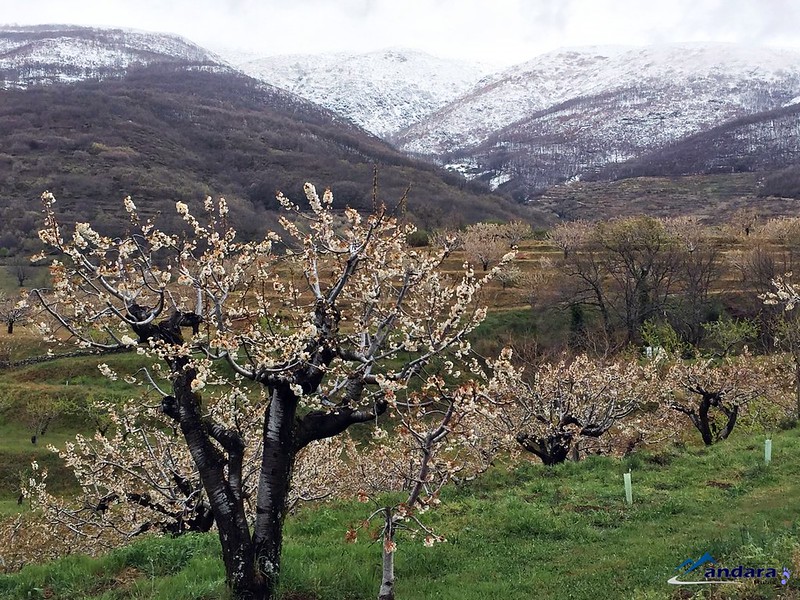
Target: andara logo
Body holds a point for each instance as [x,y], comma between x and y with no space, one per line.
[713,574]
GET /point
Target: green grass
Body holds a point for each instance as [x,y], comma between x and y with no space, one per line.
[527,532]
[500,327]
[65,388]
[38,276]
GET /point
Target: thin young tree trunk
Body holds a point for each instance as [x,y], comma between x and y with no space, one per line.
[386,591]
[796,385]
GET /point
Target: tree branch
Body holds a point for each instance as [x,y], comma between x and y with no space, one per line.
[318,424]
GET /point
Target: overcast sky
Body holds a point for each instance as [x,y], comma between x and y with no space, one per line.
[501,32]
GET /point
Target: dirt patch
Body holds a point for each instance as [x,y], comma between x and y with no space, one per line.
[127,576]
[723,485]
[299,596]
[582,508]
[123,579]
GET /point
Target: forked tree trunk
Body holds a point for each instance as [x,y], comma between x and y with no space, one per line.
[553,450]
[704,423]
[252,565]
[252,562]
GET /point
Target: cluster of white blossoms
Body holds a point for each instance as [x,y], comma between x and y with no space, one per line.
[785,293]
[342,313]
[107,372]
[130,207]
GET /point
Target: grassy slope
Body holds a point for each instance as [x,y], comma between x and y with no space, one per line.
[511,534]
[712,198]
[71,384]
[527,533]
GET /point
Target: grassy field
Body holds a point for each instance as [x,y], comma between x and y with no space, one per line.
[63,389]
[528,532]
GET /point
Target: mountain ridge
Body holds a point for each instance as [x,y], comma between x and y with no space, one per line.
[570,113]
[47,54]
[561,75]
[595,113]
[382,91]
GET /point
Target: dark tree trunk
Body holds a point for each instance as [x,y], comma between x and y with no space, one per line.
[574,453]
[704,423]
[224,493]
[701,421]
[220,469]
[553,450]
[10,327]
[273,486]
[732,415]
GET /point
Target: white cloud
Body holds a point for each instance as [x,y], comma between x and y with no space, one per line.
[499,31]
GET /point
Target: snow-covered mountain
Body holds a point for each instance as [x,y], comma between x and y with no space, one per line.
[707,72]
[164,120]
[44,54]
[569,112]
[382,91]
[766,141]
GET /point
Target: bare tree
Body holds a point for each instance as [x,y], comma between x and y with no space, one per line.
[12,311]
[624,268]
[641,262]
[787,334]
[698,268]
[21,271]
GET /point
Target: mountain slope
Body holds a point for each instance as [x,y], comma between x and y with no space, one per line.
[570,112]
[382,91]
[163,134]
[765,141]
[45,54]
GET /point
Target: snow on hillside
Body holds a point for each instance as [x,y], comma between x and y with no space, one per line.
[559,116]
[382,91]
[748,79]
[49,54]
